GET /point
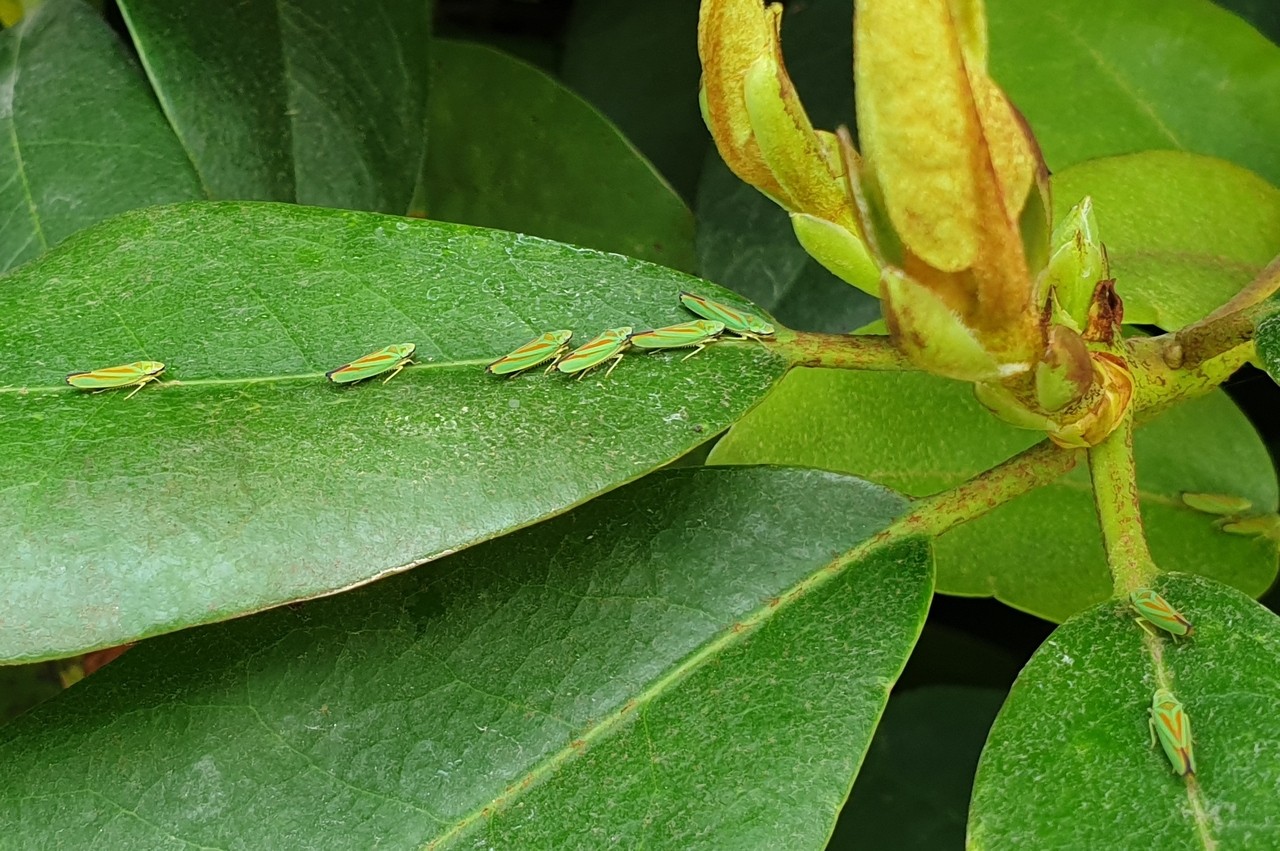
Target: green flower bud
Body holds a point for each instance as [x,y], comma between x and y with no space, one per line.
[1076,265]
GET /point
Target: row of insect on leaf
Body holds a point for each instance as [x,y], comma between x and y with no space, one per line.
[717,320]
[1168,719]
[552,348]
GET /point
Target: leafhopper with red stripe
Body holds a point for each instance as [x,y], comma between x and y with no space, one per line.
[610,345]
[1155,610]
[698,334]
[1172,728]
[135,375]
[394,358]
[550,346]
[735,321]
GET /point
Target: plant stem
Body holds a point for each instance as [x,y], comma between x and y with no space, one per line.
[1157,385]
[1115,495]
[843,351]
[941,512]
[1229,326]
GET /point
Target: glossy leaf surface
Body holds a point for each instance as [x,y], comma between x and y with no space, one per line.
[622,675]
[316,101]
[1070,763]
[1097,78]
[254,481]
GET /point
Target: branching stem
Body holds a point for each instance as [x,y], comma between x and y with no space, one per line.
[1039,465]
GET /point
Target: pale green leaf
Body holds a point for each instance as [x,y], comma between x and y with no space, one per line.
[1041,552]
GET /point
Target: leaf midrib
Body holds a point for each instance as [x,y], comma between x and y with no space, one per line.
[905,527]
[254,379]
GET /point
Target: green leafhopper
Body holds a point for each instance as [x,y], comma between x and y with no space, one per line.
[1217,503]
[135,375]
[545,347]
[1170,725]
[697,333]
[1266,525]
[1156,610]
[393,358]
[608,346]
[743,324]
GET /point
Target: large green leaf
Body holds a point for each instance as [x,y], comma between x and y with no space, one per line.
[638,64]
[316,101]
[1041,552]
[1184,232]
[913,790]
[1069,763]
[512,148]
[254,481]
[84,137]
[625,675]
[1097,78]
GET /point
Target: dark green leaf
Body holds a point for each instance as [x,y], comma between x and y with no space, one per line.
[638,64]
[25,686]
[1262,14]
[620,676]
[1267,341]
[85,139]
[1070,763]
[1184,232]
[913,790]
[512,148]
[320,102]
[254,481]
[1097,78]
[1041,552]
